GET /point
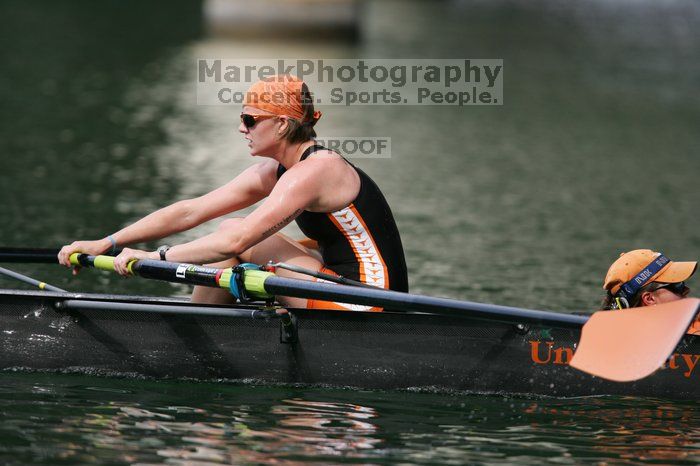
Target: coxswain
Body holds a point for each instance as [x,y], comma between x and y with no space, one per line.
[645,278]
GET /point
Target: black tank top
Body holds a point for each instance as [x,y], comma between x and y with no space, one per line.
[360,241]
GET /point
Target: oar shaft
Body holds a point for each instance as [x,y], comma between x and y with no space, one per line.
[29,280]
[29,255]
[264,285]
[410,302]
[180,273]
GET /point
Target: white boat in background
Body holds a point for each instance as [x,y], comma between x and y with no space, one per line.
[303,19]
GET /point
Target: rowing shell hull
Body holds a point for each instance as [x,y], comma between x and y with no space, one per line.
[350,349]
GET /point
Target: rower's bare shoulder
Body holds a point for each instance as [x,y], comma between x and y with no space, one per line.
[336,181]
[315,165]
[326,154]
[325,161]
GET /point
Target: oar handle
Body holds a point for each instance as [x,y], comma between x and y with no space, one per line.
[98,262]
[252,281]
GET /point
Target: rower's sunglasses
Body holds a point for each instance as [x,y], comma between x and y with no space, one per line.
[680,288]
[249,120]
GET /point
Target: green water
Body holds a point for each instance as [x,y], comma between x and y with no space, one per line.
[78,420]
[594,152]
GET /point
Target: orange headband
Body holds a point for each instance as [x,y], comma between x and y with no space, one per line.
[280,95]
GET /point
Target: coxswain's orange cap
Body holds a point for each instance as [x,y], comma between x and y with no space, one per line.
[279,95]
[629,264]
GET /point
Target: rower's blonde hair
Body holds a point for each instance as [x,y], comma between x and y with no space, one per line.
[302,131]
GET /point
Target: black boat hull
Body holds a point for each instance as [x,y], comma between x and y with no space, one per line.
[386,350]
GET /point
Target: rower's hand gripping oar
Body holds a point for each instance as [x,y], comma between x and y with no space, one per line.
[246,282]
[617,345]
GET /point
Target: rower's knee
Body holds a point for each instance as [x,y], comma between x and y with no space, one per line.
[207,295]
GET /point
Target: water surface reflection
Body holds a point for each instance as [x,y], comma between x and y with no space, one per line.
[52,419]
[107,421]
[295,427]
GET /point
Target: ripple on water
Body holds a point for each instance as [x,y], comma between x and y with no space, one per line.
[76,419]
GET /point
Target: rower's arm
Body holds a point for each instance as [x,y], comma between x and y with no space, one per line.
[294,191]
[252,185]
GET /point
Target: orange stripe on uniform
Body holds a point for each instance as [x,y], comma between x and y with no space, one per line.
[373,269]
[329,305]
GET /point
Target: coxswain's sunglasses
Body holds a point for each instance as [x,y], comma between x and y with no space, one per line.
[249,120]
[679,288]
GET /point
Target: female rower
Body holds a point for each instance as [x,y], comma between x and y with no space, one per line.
[644,278]
[333,202]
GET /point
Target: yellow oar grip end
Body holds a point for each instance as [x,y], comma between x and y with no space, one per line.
[129,265]
[74,258]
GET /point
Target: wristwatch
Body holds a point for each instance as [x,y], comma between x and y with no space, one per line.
[162,250]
